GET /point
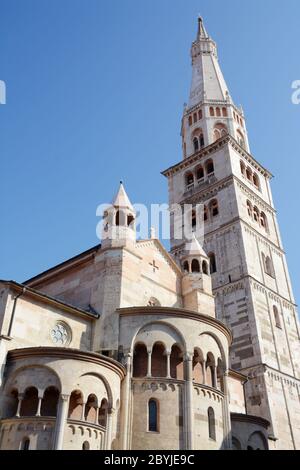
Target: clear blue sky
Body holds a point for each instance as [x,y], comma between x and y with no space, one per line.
[95,92]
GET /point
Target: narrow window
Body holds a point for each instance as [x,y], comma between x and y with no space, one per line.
[194,221]
[218,112]
[204,267]
[256,180]
[190,121]
[200,173]
[249,208]
[224,112]
[195,266]
[256,214]
[211,111]
[214,208]
[200,114]
[243,168]
[85,446]
[201,139]
[25,444]
[212,263]
[196,144]
[152,416]
[195,117]
[210,167]
[276,317]
[186,267]
[205,214]
[211,423]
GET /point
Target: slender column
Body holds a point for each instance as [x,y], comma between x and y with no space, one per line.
[215,381]
[226,415]
[61,421]
[109,423]
[97,415]
[38,411]
[125,402]
[149,373]
[168,354]
[83,411]
[189,402]
[20,398]
[203,372]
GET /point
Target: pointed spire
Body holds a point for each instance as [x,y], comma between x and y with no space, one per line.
[122,200]
[194,248]
[202,33]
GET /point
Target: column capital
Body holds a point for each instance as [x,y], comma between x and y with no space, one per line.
[64,396]
[188,356]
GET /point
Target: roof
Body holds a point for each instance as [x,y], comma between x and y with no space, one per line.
[40,296]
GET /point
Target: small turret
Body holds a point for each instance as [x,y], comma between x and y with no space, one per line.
[196,282]
[119,221]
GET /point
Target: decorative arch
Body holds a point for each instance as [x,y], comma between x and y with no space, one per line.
[140,360]
[106,385]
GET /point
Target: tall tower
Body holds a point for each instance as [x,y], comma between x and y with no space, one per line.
[250,277]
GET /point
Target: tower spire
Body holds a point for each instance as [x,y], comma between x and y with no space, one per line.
[202,33]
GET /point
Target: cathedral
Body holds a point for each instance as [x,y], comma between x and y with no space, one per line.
[130,347]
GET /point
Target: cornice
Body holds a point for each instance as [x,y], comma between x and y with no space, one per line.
[213,148]
[177,312]
[239,417]
[67,353]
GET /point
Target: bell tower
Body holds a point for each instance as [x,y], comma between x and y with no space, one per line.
[248,267]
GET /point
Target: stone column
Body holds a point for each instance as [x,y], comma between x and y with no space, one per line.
[20,398]
[109,423]
[83,411]
[189,409]
[38,411]
[149,374]
[226,415]
[61,421]
[168,354]
[203,372]
[125,402]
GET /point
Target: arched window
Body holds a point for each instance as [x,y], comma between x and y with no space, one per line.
[249,174]
[90,412]
[201,140]
[217,135]
[263,220]
[50,402]
[130,220]
[196,144]
[249,208]
[140,360]
[220,130]
[211,111]
[190,121]
[256,214]
[176,363]
[194,220]
[25,444]
[224,112]
[152,415]
[86,445]
[205,214]
[269,266]
[198,366]
[204,267]
[276,317]
[195,266]
[218,112]
[189,179]
[158,361]
[195,117]
[256,180]
[30,402]
[12,404]
[76,405]
[243,168]
[240,139]
[103,410]
[200,173]
[118,218]
[211,423]
[209,166]
[186,267]
[214,208]
[212,263]
[200,114]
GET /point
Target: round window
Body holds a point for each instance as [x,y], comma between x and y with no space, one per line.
[61,334]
